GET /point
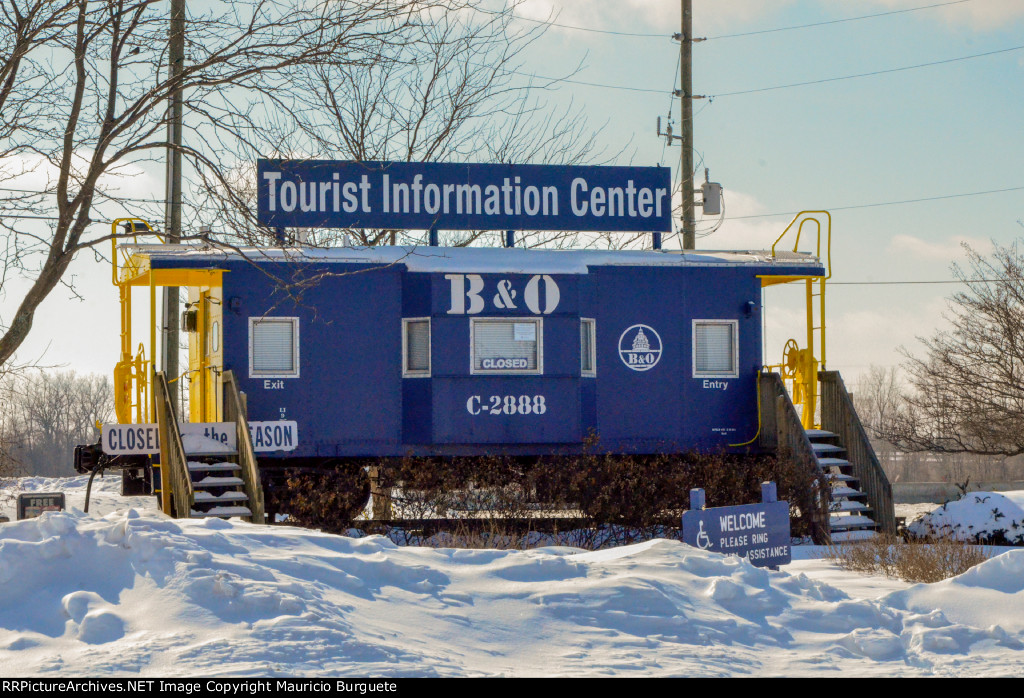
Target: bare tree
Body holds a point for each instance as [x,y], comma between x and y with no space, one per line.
[878,397]
[447,88]
[84,90]
[46,414]
[967,391]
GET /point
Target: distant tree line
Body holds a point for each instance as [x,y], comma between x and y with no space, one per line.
[45,414]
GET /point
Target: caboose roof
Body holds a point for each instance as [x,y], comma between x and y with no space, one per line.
[485,259]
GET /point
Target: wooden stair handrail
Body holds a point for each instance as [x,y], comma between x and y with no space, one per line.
[782,431]
[839,416]
[173,461]
[235,411]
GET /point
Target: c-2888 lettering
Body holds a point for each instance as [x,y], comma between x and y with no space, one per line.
[506,404]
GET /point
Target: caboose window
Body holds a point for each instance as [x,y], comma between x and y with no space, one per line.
[715,349]
[588,355]
[507,346]
[274,347]
[416,348]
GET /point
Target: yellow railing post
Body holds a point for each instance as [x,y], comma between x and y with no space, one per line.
[803,364]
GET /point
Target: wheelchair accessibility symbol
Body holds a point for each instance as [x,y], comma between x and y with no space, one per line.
[703,542]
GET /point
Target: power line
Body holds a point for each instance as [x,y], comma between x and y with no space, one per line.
[649,35]
[37,218]
[582,29]
[885,203]
[589,84]
[837,21]
[112,197]
[885,71]
[905,283]
[870,74]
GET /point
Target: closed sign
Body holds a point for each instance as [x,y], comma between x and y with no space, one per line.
[130,439]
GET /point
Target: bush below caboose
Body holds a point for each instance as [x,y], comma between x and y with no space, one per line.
[604,499]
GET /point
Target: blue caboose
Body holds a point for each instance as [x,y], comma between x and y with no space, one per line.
[381,352]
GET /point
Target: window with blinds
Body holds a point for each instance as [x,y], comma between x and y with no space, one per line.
[507,346]
[274,347]
[416,348]
[715,349]
[588,355]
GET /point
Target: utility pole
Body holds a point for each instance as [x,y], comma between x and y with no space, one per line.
[686,123]
[172,227]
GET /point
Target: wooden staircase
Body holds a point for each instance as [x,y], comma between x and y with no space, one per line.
[199,477]
[217,486]
[856,467]
[851,516]
[859,501]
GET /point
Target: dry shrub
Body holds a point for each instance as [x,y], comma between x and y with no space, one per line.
[918,560]
[590,500]
[328,499]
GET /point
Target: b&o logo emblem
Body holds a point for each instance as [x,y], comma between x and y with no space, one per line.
[640,347]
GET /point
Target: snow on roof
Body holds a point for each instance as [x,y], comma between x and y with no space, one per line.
[485,259]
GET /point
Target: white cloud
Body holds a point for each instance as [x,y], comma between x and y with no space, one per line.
[949,250]
[980,15]
[856,339]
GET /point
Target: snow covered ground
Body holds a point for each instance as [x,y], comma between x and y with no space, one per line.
[126,591]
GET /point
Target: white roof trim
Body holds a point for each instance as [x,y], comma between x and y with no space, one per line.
[480,259]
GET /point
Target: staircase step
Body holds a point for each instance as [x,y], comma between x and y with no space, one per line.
[827,448]
[852,536]
[211,481]
[846,522]
[206,498]
[848,505]
[819,434]
[226,465]
[834,462]
[221,511]
[840,477]
[842,491]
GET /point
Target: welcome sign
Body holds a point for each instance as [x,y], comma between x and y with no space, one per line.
[758,532]
[446,196]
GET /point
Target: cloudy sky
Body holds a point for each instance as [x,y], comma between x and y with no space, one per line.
[941,133]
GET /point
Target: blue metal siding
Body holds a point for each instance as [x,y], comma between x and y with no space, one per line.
[463,404]
[351,398]
[638,410]
[347,397]
[717,416]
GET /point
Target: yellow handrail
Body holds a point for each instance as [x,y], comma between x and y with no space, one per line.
[828,236]
[131,370]
[802,363]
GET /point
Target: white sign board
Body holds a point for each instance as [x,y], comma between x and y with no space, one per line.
[524,332]
[208,437]
[200,437]
[274,436]
[129,439]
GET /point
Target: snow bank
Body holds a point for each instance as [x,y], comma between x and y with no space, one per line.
[990,595]
[104,499]
[137,593]
[977,515]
